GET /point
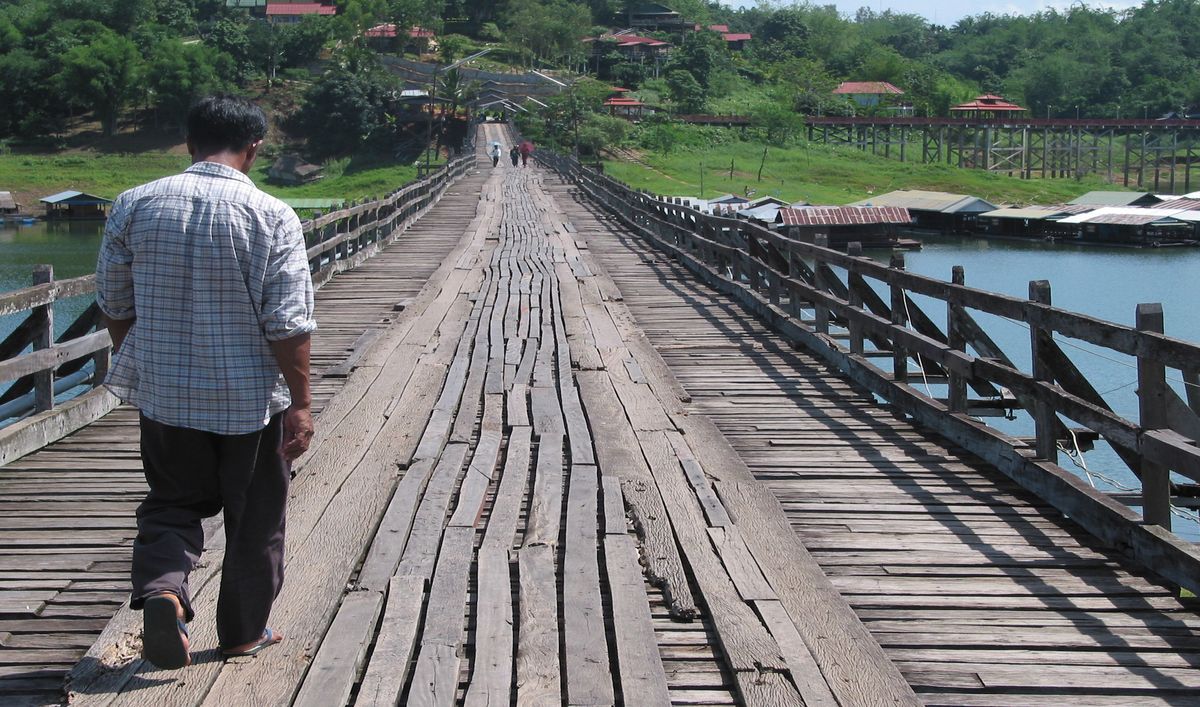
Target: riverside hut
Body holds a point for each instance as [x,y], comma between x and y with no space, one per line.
[873,226]
[76,205]
[934,210]
[1122,225]
[8,205]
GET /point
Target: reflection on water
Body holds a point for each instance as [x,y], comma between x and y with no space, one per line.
[1107,283]
[70,246]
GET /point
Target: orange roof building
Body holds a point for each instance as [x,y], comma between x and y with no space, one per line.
[986,106]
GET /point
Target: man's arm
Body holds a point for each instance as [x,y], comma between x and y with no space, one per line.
[292,355]
[118,329]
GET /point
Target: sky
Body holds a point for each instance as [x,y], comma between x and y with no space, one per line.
[947,13]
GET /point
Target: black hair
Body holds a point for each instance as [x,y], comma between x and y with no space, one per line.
[223,122]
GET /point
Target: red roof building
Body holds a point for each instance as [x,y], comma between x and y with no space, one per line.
[628,108]
[987,106]
[842,215]
[290,12]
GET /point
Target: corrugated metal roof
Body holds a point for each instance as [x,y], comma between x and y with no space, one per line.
[1111,198]
[765,213]
[299,8]
[866,88]
[842,215]
[1180,203]
[917,200]
[1123,215]
[1032,212]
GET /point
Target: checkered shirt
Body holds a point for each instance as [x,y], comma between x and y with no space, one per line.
[213,270]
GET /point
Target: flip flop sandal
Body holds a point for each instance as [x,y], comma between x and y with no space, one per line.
[164,634]
[268,639]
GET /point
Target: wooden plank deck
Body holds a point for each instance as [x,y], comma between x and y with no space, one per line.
[507,502]
[978,592]
[67,511]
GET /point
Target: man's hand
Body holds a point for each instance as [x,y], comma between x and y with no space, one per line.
[297,432]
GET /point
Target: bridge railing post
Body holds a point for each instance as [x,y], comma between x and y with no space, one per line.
[821,240]
[899,319]
[1152,415]
[1044,417]
[957,393]
[855,299]
[43,338]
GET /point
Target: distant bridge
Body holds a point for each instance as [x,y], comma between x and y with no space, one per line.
[1156,155]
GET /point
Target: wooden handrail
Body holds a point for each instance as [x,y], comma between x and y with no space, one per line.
[779,279]
[338,241]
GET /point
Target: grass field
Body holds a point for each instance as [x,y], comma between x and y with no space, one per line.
[31,177]
[823,174]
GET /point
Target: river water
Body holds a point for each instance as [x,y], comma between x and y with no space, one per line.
[1103,282]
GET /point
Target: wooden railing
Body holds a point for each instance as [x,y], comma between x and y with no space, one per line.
[853,311]
[38,368]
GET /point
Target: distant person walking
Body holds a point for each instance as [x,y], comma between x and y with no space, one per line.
[495,153]
[204,285]
[526,148]
[514,154]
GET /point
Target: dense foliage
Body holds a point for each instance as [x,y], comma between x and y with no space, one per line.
[61,59]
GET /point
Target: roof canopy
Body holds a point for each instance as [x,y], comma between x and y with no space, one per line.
[75,198]
[1125,215]
[1116,198]
[7,201]
[842,215]
[939,201]
[988,102]
[867,88]
[288,9]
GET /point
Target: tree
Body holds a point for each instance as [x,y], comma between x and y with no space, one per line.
[104,75]
[702,55]
[686,92]
[179,74]
[344,110]
[778,124]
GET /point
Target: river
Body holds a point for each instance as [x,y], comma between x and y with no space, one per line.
[1103,282]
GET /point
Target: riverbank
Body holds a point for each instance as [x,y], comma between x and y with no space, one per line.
[33,176]
[818,174]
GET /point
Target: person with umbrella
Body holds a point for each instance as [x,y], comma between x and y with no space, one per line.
[526,149]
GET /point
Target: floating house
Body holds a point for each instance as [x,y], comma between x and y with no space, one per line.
[934,210]
[1124,225]
[76,205]
[292,169]
[8,205]
[1034,222]
[873,226]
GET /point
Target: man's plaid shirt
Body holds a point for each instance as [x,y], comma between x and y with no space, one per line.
[213,269]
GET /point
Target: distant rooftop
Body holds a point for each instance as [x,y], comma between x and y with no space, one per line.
[917,200]
[867,88]
[1116,198]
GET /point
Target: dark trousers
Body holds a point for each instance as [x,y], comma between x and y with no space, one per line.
[195,475]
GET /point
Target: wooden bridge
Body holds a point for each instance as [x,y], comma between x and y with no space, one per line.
[580,446]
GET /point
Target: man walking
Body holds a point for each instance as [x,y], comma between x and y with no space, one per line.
[205,288]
